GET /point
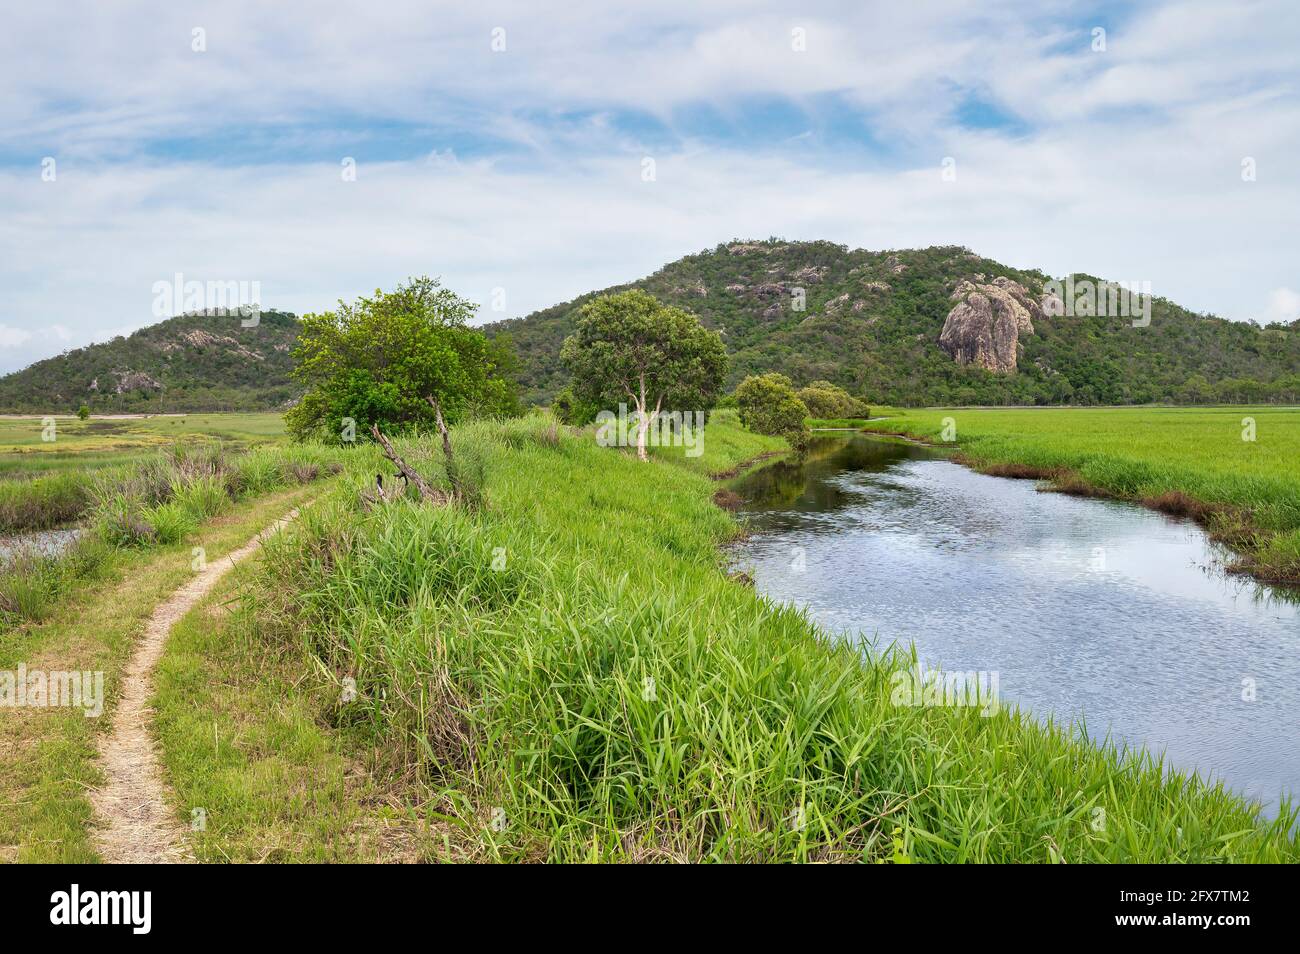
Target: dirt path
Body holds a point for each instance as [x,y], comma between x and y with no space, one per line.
[134,823]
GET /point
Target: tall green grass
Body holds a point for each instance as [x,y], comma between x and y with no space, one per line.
[42,503]
[566,673]
[161,499]
[31,582]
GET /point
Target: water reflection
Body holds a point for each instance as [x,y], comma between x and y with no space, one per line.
[1086,608]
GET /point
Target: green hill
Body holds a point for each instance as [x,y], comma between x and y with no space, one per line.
[872,323]
[188,363]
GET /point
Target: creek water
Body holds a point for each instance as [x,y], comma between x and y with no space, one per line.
[1097,613]
[38,543]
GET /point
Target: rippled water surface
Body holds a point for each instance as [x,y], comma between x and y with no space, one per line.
[38,543]
[1086,609]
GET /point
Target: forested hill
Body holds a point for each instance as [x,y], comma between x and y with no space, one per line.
[188,363]
[934,326]
[872,323]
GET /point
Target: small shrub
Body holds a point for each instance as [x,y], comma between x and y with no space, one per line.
[120,524]
[171,522]
[831,402]
[254,474]
[768,405]
[202,497]
[572,410]
[84,557]
[25,589]
[304,473]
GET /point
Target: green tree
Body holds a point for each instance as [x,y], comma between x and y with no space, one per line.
[826,400]
[769,405]
[377,361]
[628,347]
[83,412]
[570,410]
[1196,390]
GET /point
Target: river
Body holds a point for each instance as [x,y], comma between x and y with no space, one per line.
[1087,610]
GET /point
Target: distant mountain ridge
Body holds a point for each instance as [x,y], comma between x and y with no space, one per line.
[878,323]
[934,326]
[192,362]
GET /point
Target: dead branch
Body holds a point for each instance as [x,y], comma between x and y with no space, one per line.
[442,426]
[427,492]
[446,442]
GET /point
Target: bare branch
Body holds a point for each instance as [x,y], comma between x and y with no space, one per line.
[427,492]
[442,429]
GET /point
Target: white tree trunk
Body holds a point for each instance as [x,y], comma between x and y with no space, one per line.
[642,423]
[642,426]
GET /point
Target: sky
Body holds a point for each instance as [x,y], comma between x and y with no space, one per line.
[528,152]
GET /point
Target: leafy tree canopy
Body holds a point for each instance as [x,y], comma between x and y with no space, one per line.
[826,400]
[377,361]
[768,404]
[628,348]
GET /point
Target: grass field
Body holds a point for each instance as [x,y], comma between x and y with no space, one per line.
[29,448]
[156,500]
[47,474]
[564,672]
[1235,469]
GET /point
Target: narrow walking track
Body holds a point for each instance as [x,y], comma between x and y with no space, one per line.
[134,823]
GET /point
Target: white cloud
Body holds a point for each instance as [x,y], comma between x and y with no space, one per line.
[1283,305]
[1125,164]
[13,337]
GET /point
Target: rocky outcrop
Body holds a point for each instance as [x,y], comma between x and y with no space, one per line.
[811,274]
[767,290]
[835,304]
[985,325]
[198,338]
[840,303]
[135,381]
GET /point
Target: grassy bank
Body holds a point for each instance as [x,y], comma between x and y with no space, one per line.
[837,423]
[47,754]
[1233,469]
[161,499]
[257,748]
[564,672]
[727,450]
